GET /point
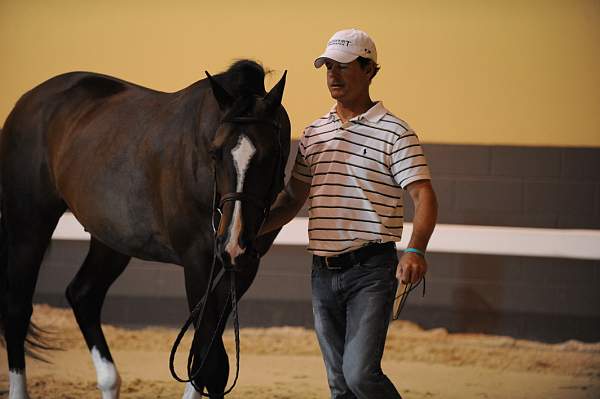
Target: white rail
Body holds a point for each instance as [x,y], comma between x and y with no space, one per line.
[452,238]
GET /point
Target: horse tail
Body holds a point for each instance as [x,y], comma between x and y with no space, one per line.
[3,267]
[36,340]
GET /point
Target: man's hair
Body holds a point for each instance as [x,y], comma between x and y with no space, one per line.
[363,62]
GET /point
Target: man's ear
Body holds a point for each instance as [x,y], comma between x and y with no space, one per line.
[371,70]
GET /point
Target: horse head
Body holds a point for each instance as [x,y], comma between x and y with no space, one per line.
[249,162]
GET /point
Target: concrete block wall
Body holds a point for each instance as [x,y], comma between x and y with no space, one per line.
[517,186]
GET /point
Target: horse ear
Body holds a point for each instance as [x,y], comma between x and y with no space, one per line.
[224,99]
[273,98]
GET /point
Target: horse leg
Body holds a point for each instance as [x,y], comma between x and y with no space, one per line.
[215,368]
[86,295]
[24,241]
[218,373]
[215,371]
[214,364]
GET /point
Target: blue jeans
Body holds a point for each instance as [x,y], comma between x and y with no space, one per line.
[352,310]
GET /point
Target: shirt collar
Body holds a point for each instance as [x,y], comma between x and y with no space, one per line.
[373,114]
[332,114]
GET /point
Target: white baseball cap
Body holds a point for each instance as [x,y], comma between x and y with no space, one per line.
[346,46]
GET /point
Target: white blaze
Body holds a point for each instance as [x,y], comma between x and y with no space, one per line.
[109,381]
[190,392]
[242,154]
[18,385]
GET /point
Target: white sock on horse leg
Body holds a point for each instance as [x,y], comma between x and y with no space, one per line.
[18,385]
[190,392]
[109,381]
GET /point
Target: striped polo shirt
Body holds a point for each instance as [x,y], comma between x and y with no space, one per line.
[357,171]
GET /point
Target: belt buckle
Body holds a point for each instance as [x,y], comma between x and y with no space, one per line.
[331,267]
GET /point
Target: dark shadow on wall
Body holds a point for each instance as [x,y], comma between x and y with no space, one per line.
[466,300]
[479,289]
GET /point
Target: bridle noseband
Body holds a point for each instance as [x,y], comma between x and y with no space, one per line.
[240,196]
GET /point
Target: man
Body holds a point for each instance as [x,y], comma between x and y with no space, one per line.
[354,162]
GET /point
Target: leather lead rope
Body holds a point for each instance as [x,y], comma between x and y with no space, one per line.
[197,314]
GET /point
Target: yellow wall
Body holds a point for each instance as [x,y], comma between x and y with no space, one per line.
[462,71]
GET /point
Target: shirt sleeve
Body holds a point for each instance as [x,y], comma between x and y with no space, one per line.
[408,163]
[301,169]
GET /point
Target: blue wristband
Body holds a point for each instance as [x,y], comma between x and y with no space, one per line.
[415,250]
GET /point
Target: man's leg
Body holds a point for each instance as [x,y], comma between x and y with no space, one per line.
[330,327]
[372,286]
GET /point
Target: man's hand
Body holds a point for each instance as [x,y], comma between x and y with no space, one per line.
[286,206]
[411,268]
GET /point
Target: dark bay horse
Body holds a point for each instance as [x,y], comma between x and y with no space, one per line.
[142,171]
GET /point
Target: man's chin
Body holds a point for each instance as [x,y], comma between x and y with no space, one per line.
[336,95]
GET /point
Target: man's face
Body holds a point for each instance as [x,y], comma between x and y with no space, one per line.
[347,82]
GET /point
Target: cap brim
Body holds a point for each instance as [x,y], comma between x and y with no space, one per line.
[339,56]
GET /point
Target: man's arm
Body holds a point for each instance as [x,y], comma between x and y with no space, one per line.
[413,266]
[286,206]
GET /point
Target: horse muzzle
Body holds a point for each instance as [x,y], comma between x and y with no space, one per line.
[235,255]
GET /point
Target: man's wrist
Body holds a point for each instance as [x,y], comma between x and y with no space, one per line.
[415,251]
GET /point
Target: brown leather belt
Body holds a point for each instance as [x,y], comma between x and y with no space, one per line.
[349,259]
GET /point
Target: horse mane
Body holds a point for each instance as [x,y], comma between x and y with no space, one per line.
[245,80]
